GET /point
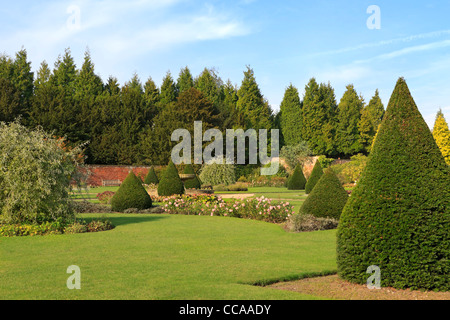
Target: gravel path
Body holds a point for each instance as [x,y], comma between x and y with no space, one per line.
[332,287]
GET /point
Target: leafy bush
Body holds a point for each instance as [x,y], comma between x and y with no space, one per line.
[215,174]
[76,227]
[262,209]
[324,161]
[308,222]
[99,225]
[36,170]
[194,183]
[170,182]
[327,199]
[89,207]
[269,181]
[350,172]
[398,217]
[105,197]
[297,180]
[131,194]
[295,155]
[151,177]
[314,178]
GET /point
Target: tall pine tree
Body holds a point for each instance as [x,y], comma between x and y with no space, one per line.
[290,121]
[348,118]
[441,134]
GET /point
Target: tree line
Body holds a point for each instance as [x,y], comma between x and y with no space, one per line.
[132,123]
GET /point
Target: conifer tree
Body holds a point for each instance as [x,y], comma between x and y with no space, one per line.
[131,194]
[348,118]
[185,80]
[316,174]
[441,134]
[398,216]
[290,109]
[252,105]
[318,117]
[327,199]
[151,177]
[170,182]
[297,180]
[169,91]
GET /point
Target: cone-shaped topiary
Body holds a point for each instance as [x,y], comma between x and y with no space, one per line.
[327,199]
[170,183]
[297,180]
[191,183]
[131,194]
[315,176]
[398,216]
[151,177]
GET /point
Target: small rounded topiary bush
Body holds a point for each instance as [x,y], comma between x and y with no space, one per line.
[131,194]
[327,199]
[170,183]
[194,183]
[151,177]
[297,180]
[316,174]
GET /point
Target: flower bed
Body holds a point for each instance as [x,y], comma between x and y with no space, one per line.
[262,209]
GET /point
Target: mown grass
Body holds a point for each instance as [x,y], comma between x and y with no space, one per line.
[165,257]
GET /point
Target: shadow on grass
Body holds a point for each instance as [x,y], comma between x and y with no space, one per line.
[124,220]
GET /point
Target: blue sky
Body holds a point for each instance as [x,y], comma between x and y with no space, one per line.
[282,41]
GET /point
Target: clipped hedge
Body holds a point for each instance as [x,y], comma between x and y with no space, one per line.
[398,216]
[194,183]
[327,199]
[314,178]
[170,183]
[297,180]
[151,177]
[131,194]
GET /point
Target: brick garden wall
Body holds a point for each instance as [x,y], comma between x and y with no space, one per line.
[98,173]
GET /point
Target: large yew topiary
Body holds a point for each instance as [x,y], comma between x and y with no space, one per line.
[151,177]
[170,183]
[193,183]
[316,174]
[297,180]
[131,194]
[327,199]
[398,216]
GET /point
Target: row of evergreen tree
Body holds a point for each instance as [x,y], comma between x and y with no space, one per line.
[133,123]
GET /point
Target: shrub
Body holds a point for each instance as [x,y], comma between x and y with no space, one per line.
[89,207]
[131,194]
[36,170]
[262,209]
[194,183]
[398,217]
[296,154]
[308,223]
[315,176]
[239,186]
[324,161]
[105,197]
[99,225]
[151,177]
[215,174]
[327,199]
[350,172]
[297,180]
[76,227]
[170,182]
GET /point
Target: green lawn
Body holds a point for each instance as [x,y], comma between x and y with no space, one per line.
[165,257]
